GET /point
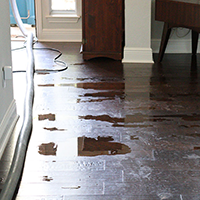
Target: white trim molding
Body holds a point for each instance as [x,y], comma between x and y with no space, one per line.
[7,125]
[55,18]
[137,55]
[138,32]
[61,35]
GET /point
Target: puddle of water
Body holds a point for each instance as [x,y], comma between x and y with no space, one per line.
[48,149]
[104,118]
[102,79]
[120,94]
[89,85]
[102,85]
[133,125]
[95,100]
[50,117]
[100,146]
[137,118]
[84,146]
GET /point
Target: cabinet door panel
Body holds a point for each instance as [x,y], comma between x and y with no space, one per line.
[103,25]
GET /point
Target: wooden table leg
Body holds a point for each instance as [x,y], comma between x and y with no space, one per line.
[165,37]
[195,37]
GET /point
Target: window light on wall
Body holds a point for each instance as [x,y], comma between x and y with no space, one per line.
[68,5]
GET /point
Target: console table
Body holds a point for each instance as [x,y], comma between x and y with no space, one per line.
[178,13]
[103,29]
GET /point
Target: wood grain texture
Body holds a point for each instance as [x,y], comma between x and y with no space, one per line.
[181,13]
[178,13]
[103,28]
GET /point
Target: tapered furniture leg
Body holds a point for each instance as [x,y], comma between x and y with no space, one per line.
[195,37]
[164,41]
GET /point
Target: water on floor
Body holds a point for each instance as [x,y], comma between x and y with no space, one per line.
[104,130]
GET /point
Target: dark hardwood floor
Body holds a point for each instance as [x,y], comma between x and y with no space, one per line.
[104,130]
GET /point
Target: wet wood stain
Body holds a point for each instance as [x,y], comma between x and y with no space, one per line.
[48,149]
[50,117]
[120,94]
[54,129]
[46,178]
[96,86]
[102,85]
[46,85]
[100,146]
[105,118]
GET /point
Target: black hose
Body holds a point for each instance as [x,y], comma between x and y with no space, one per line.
[16,169]
[55,60]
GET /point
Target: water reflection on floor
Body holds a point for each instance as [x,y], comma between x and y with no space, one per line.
[83,146]
[106,130]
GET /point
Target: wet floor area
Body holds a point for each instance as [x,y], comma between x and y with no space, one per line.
[103,130]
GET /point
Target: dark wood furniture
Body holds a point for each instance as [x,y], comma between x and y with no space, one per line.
[178,13]
[103,28]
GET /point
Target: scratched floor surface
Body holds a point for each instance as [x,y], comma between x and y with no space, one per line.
[103,130]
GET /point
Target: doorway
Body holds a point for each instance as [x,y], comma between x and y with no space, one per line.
[27,12]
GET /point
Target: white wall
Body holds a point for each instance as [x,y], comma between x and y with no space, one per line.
[5,57]
[8,114]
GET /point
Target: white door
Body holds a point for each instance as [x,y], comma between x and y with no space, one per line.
[59,20]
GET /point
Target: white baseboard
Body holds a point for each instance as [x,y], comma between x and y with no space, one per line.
[137,55]
[173,46]
[60,35]
[7,125]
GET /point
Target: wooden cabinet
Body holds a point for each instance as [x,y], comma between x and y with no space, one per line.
[103,28]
